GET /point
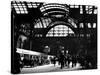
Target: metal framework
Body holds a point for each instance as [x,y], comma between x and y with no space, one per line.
[52,13]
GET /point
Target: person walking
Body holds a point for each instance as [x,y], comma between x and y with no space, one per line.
[62,60]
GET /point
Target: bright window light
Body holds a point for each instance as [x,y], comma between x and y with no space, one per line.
[16,9]
[89,25]
[22,12]
[15,6]
[24,9]
[59,31]
[81,25]
[71,6]
[90,12]
[30,6]
[81,11]
[26,12]
[87,7]
[76,6]
[18,12]
[19,4]
[95,11]
[94,25]
[21,9]
[24,6]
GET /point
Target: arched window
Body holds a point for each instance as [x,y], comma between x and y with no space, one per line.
[59,31]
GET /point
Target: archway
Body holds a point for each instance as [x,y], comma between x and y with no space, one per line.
[59,31]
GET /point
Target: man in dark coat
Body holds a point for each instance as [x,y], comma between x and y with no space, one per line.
[62,60]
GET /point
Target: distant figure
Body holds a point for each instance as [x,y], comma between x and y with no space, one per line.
[62,60]
[54,61]
[74,61]
[69,59]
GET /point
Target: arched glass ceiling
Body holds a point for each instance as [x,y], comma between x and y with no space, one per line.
[42,23]
[60,13]
[59,9]
[72,22]
[54,5]
[59,31]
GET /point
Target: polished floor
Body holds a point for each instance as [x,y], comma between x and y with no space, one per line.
[49,68]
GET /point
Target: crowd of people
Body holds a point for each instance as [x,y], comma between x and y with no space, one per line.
[86,62]
[34,61]
[64,60]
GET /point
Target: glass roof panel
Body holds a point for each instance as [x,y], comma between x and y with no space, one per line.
[60,31]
